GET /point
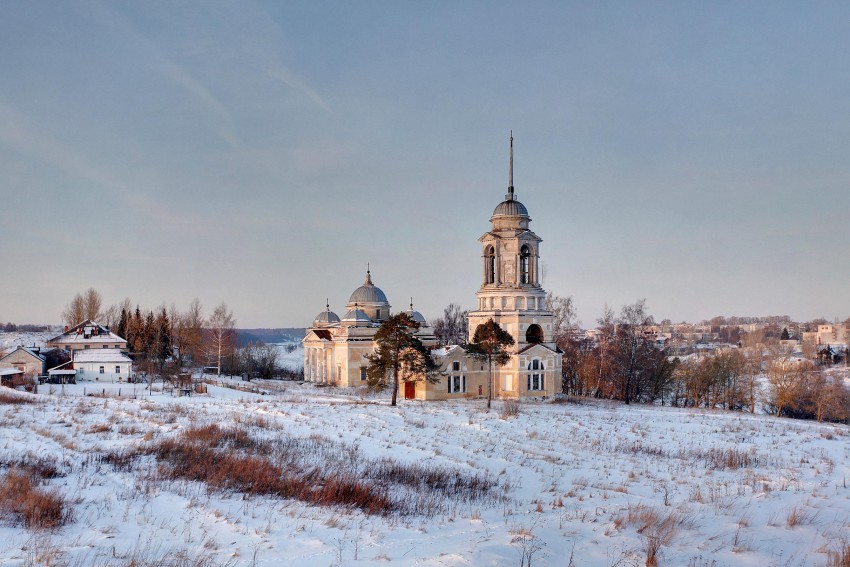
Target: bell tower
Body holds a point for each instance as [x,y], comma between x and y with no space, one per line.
[510,291]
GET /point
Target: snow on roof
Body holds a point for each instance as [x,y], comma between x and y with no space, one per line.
[77,334]
[61,372]
[28,350]
[10,371]
[444,351]
[105,355]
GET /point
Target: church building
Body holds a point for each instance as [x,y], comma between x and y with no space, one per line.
[335,349]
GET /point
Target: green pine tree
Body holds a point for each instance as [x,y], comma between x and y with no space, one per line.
[400,355]
[491,343]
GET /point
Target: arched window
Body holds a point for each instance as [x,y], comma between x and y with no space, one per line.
[535,375]
[490,265]
[534,334]
[524,256]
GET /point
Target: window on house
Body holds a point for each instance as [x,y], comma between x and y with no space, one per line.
[535,375]
[81,371]
[117,369]
[456,365]
[363,373]
[102,370]
[87,346]
[457,384]
[105,346]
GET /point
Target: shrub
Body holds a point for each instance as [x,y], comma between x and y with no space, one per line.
[510,408]
[22,503]
[12,397]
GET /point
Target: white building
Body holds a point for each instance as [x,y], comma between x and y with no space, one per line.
[108,365]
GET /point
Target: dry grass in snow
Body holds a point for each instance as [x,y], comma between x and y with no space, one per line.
[309,476]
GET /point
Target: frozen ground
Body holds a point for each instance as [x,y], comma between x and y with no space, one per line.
[599,483]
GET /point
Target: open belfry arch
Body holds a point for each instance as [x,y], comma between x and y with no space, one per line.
[335,349]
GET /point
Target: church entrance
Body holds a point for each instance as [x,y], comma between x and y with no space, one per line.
[409,390]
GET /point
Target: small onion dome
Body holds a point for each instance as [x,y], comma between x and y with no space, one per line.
[356,317]
[325,318]
[368,293]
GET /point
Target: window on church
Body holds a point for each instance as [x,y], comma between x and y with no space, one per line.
[490,264]
[524,256]
[362,373]
[535,375]
[456,365]
[457,384]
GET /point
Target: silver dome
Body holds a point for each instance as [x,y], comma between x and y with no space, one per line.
[326,317]
[510,208]
[418,317]
[368,293]
[356,316]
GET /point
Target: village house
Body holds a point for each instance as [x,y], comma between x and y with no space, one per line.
[88,335]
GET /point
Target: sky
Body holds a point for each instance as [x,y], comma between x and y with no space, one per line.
[694,154]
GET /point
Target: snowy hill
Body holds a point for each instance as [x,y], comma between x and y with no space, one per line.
[596,483]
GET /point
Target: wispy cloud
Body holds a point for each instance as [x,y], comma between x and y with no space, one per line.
[294,82]
[22,134]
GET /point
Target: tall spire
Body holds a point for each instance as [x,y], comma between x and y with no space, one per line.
[368,276]
[510,195]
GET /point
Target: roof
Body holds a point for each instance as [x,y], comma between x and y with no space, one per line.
[531,346]
[105,355]
[323,334]
[10,371]
[368,293]
[356,316]
[510,208]
[27,350]
[326,317]
[77,334]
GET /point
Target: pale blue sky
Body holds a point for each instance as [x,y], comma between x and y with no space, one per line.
[691,153]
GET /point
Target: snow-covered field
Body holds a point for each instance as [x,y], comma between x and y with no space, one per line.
[10,341]
[592,484]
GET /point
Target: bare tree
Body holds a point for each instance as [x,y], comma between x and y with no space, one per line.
[453,327]
[220,335]
[93,302]
[111,316]
[75,312]
[564,319]
[187,331]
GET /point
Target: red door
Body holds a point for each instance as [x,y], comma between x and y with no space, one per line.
[409,390]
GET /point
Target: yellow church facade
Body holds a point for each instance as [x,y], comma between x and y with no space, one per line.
[335,349]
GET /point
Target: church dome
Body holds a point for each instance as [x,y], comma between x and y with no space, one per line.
[416,315]
[356,317]
[510,208]
[325,318]
[368,293]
